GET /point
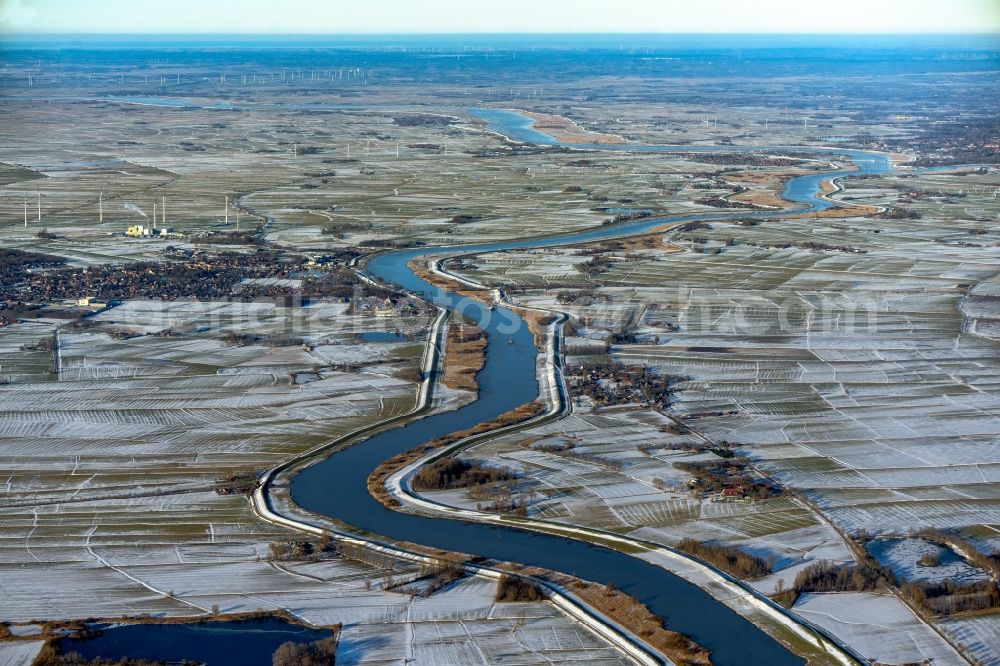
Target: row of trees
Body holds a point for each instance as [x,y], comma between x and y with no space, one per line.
[457,473]
[15,263]
[947,598]
[732,472]
[441,574]
[50,655]
[516,588]
[989,562]
[942,598]
[318,653]
[728,558]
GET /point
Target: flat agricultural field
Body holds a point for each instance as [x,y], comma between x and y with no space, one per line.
[794,388]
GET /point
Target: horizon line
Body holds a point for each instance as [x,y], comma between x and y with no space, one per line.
[18,33]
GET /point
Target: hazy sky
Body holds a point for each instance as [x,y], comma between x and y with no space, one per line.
[423,16]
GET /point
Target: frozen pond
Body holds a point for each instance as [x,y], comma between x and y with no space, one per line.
[903,557]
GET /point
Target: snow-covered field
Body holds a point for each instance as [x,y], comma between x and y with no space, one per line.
[878,626]
[884,423]
[841,356]
[19,653]
[164,412]
[109,470]
[187,554]
[611,483]
[979,635]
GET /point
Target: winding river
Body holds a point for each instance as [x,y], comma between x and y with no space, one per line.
[337,488]
[337,485]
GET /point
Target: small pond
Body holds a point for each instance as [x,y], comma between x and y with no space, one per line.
[215,643]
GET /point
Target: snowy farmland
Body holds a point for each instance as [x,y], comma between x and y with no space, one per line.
[182,555]
[19,653]
[154,413]
[109,468]
[880,627]
[853,360]
[620,477]
[844,357]
[847,375]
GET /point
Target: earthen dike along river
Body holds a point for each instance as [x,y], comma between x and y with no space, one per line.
[336,486]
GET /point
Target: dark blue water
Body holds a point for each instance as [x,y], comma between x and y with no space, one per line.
[248,642]
[491,60]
